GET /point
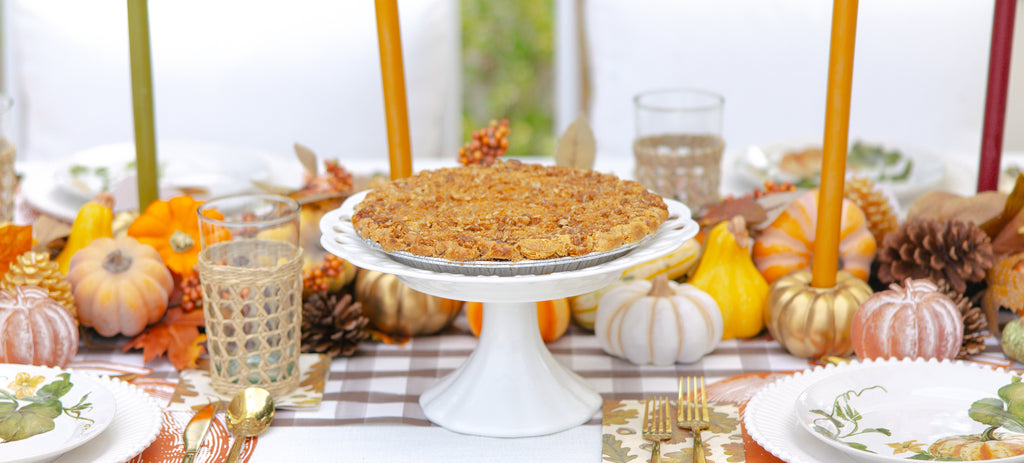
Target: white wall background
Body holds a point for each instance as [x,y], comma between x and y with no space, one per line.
[260,74]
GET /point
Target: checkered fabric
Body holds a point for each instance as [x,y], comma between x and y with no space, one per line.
[381,383]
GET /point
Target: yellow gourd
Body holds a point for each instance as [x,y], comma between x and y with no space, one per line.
[93,221]
[728,274]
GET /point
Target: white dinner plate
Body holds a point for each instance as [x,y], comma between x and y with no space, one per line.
[760,163]
[897,402]
[930,399]
[88,409]
[218,169]
[136,425]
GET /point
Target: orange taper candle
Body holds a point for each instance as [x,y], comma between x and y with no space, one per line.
[389,38]
[825,264]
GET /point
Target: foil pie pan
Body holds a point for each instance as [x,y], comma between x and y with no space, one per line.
[506,268]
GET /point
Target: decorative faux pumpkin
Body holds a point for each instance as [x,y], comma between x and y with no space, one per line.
[552,318]
[974,447]
[786,245]
[15,240]
[396,309]
[1012,341]
[727,274]
[94,220]
[814,322]
[120,285]
[35,329]
[913,321]
[1005,289]
[172,228]
[674,266]
[658,322]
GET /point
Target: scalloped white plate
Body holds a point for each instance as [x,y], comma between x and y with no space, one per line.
[922,401]
[68,432]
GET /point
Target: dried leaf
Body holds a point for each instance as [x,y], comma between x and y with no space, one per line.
[747,207]
[774,205]
[177,335]
[576,147]
[1014,204]
[15,240]
[308,159]
[46,229]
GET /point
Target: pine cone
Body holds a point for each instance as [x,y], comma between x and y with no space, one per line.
[36,269]
[956,252]
[975,323]
[881,217]
[333,324]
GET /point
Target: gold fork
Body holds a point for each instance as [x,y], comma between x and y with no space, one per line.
[657,424]
[690,416]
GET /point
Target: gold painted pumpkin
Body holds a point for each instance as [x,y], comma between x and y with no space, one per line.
[674,265]
[976,447]
[552,318]
[396,309]
[786,245]
[658,322]
[728,275]
[814,322]
[913,321]
[35,329]
[120,285]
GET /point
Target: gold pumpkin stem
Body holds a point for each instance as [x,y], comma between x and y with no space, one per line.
[181,241]
[117,262]
[660,287]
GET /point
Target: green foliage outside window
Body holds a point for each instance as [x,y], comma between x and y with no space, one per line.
[508,71]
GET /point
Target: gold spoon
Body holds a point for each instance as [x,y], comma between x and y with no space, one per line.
[249,414]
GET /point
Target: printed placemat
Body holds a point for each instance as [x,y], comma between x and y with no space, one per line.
[194,389]
[621,440]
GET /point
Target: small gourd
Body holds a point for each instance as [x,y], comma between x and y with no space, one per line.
[396,309]
[727,273]
[35,329]
[786,245]
[1012,340]
[673,265]
[913,321]
[658,322]
[552,318]
[94,220]
[121,286]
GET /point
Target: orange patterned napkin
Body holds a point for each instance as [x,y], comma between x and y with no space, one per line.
[621,441]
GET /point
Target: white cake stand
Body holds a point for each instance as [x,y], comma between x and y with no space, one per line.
[511,385]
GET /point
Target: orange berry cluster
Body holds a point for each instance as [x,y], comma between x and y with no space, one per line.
[487,144]
[318,278]
[338,178]
[191,293]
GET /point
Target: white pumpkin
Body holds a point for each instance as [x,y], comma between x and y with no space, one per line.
[658,322]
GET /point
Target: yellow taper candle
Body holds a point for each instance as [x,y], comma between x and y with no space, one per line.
[389,38]
[142,101]
[825,263]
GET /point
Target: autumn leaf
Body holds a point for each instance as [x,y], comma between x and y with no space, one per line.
[15,240]
[176,335]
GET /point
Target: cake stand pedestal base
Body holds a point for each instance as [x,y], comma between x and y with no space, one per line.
[511,386]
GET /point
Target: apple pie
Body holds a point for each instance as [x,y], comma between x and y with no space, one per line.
[509,211]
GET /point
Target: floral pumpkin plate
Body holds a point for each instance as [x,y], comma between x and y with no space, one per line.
[46,411]
[916,410]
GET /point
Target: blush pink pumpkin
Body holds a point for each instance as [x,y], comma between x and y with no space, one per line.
[912,321]
[35,329]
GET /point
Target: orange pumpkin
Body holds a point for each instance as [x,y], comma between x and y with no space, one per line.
[552,318]
[913,321]
[120,285]
[172,228]
[786,245]
[35,329]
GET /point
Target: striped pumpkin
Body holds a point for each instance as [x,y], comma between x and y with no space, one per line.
[787,244]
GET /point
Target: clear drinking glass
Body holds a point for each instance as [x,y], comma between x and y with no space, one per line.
[250,269]
[678,145]
[8,178]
